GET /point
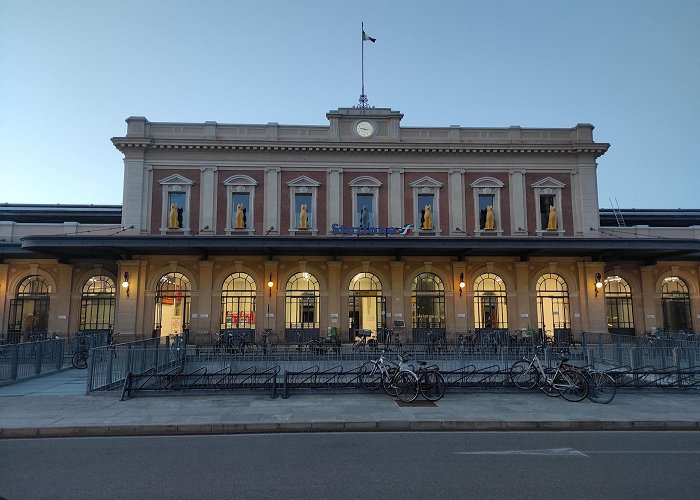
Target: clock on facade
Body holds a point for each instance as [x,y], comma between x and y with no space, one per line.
[364,129]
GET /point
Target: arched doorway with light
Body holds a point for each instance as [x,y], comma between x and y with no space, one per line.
[366,305]
[301,308]
[553,308]
[238,305]
[173,296]
[29,310]
[490,310]
[675,304]
[97,304]
[428,307]
[618,306]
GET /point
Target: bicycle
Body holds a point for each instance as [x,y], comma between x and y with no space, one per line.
[601,385]
[267,346]
[568,383]
[79,359]
[435,344]
[397,381]
[361,345]
[430,381]
[236,343]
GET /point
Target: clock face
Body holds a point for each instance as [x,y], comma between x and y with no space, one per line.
[365,129]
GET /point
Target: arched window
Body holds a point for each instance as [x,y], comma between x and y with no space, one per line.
[366,304]
[675,303]
[428,301]
[553,307]
[172,304]
[29,310]
[238,302]
[302,299]
[490,302]
[618,306]
[97,304]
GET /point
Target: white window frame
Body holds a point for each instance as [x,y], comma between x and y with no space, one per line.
[303,185]
[365,185]
[237,184]
[549,187]
[426,185]
[488,186]
[175,184]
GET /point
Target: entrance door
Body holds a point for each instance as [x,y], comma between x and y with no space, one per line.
[366,313]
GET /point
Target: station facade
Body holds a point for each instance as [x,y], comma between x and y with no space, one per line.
[360,224]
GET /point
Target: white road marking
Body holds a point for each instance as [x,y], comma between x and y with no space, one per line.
[545,452]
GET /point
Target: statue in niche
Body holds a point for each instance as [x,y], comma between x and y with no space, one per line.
[303,217]
[490,223]
[552,223]
[426,218]
[364,217]
[240,217]
[173,219]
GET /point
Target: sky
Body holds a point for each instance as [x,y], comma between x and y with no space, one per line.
[72,71]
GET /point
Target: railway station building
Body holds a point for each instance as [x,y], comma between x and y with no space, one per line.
[356,224]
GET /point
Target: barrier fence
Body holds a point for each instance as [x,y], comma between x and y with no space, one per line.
[44,356]
[166,364]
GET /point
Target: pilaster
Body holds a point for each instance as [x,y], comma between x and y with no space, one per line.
[457,204]
[518,204]
[59,310]
[398,305]
[207,201]
[271,213]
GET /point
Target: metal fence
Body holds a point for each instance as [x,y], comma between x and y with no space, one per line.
[170,365]
[32,359]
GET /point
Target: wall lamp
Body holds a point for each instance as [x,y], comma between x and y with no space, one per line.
[270,284]
[598,283]
[461,283]
[125,283]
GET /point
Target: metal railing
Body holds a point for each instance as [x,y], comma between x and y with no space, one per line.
[165,364]
[33,359]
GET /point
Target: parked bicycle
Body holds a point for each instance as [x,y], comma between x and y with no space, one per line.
[236,343]
[363,343]
[430,380]
[435,342]
[397,380]
[80,357]
[570,384]
[601,385]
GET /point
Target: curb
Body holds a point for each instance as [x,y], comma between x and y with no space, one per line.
[359,426]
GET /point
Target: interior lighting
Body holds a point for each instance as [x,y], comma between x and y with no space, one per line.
[461,283]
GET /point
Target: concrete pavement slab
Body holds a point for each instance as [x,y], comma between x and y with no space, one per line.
[58,406]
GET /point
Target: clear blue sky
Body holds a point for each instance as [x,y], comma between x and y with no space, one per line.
[72,71]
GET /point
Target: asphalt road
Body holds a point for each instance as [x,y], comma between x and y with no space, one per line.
[498,465]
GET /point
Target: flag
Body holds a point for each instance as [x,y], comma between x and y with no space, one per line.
[365,36]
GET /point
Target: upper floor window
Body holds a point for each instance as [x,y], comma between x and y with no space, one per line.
[176,203]
[365,196]
[487,206]
[548,195]
[426,200]
[240,197]
[303,199]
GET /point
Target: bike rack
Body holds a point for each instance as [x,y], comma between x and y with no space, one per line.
[313,378]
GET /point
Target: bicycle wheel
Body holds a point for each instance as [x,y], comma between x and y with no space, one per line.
[408,386]
[601,388]
[524,375]
[432,385]
[80,359]
[371,377]
[389,382]
[572,385]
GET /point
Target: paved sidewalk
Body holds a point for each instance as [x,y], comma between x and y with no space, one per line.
[56,405]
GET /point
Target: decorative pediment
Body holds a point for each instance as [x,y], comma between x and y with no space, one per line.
[426,182]
[303,181]
[176,179]
[548,182]
[365,180]
[486,182]
[240,180]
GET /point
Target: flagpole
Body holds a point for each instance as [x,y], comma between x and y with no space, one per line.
[363,97]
